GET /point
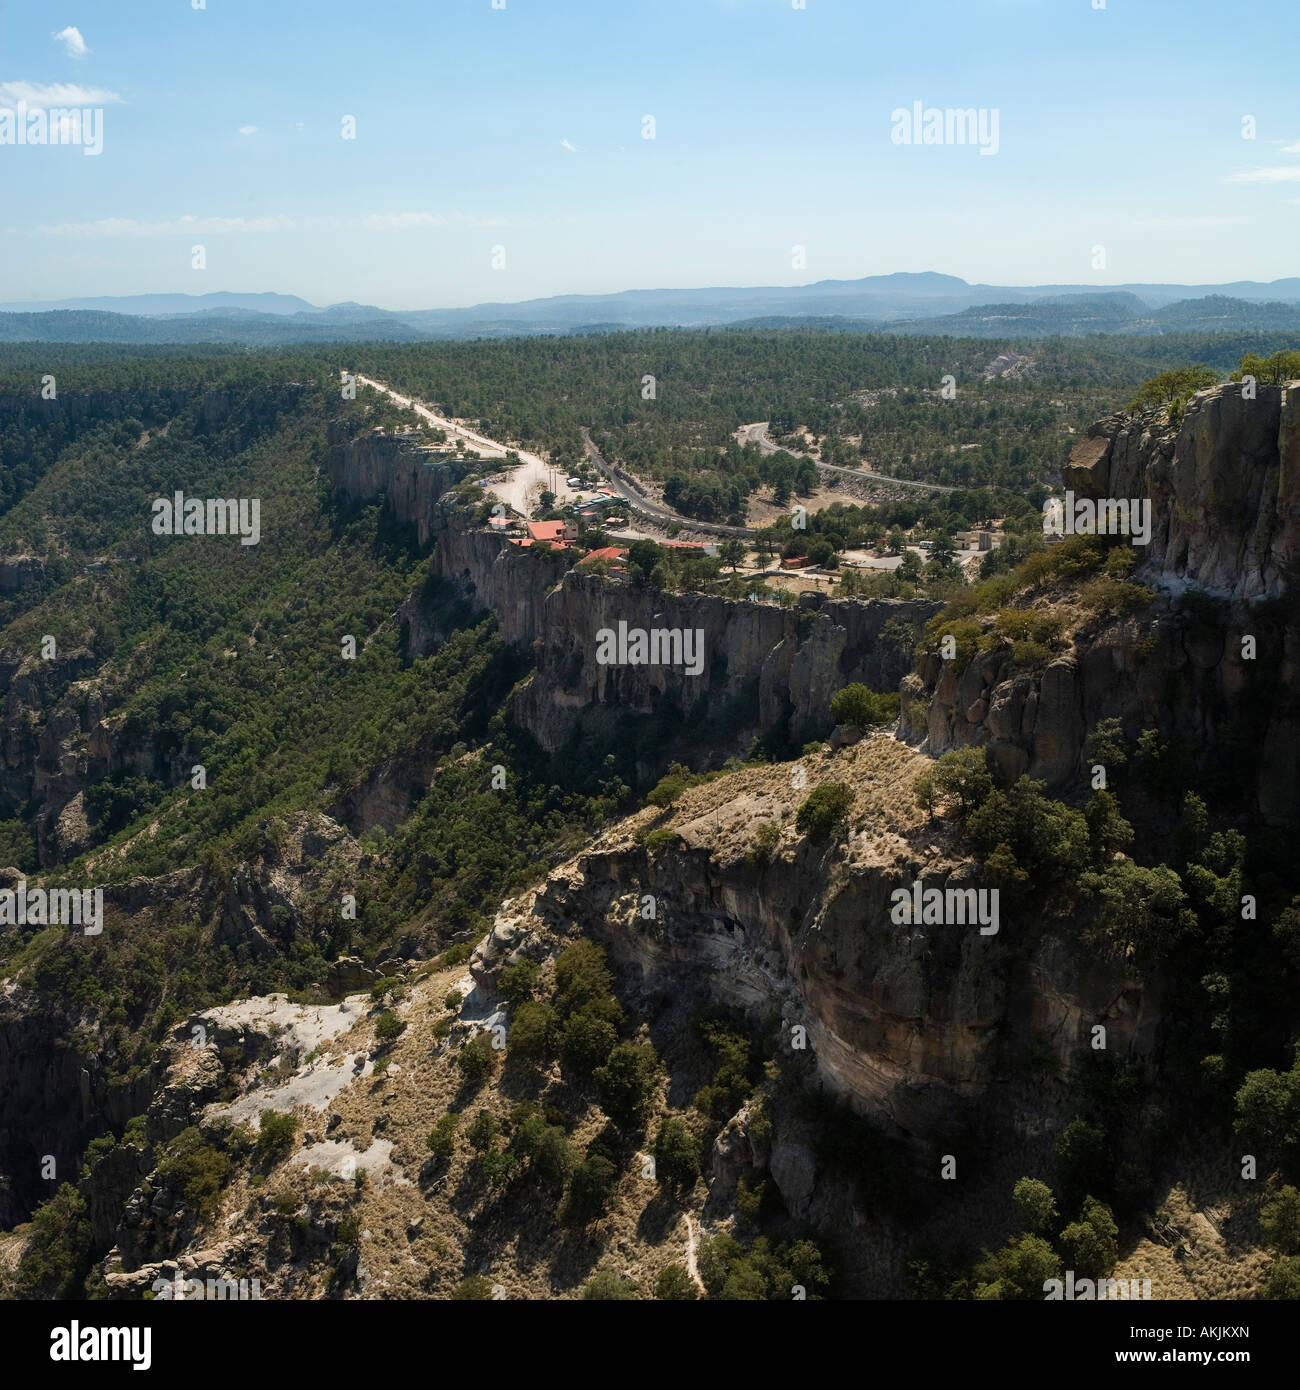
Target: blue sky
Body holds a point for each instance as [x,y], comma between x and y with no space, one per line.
[522,128]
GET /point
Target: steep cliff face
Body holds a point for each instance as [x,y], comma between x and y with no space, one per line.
[414,477]
[1224,486]
[905,1021]
[764,667]
[1220,675]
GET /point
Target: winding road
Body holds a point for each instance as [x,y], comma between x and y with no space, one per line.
[757,434]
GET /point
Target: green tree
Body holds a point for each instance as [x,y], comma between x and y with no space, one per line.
[475,1060]
[1282,1280]
[642,557]
[963,775]
[605,1284]
[856,704]
[626,1083]
[1173,387]
[1020,1270]
[732,554]
[483,1131]
[532,1031]
[1091,1243]
[275,1137]
[674,1285]
[586,1041]
[442,1137]
[1280,1221]
[1036,1206]
[60,1248]
[518,981]
[824,811]
[592,1190]
[676,1154]
[1268,1116]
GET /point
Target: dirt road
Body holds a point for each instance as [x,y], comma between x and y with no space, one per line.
[521,485]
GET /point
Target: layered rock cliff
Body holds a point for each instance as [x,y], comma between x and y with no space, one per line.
[906,1022]
[1224,487]
[765,668]
[414,477]
[1212,662]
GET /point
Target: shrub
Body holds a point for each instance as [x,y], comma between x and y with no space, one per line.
[676,1154]
[442,1137]
[674,1285]
[824,811]
[452,999]
[477,1288]
[605,1284]
[672,784]
[475,1060]
[1035,1204]
[658,840]
[1114,596]
[626,1083]
[275,1136]
[388,1026]
[586,1041]
[518,981]
[856,704]
[532,1031]
[766,839]
[1280,1221]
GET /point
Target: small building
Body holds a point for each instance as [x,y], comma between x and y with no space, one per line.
[610,554]
[796,562]
[554,531]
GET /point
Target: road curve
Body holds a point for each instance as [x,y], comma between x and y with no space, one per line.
[647,506]
[757,434]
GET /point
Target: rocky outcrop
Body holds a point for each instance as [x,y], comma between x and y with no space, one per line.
[1224,486]
[906,1022]
[412,476]
[764,668]
[1217,674]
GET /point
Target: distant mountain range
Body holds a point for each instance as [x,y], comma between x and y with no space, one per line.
[927,302]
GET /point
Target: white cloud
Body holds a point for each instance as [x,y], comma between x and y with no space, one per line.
[1277,173]
[570,146]
[248,130]
[400,221]
[73,44]
[1189,221]
[45,94]
[176,226]
[1291,149]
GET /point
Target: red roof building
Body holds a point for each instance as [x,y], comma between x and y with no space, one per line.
[606,552]
[553,531]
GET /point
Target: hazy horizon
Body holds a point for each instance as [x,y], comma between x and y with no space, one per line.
[499,154]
